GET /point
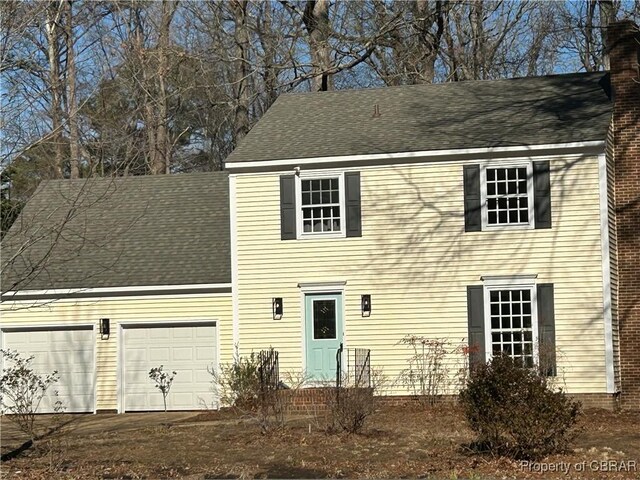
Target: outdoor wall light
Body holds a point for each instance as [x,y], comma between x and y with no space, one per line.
[277,308]
[365,304]
[105,328]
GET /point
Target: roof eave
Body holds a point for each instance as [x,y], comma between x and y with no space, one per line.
[587,147]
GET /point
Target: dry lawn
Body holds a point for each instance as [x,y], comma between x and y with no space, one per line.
[400,442]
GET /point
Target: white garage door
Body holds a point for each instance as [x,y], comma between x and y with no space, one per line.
[187,348]
[70,351]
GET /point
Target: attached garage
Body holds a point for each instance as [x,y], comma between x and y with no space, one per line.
[68,350]
[187,348]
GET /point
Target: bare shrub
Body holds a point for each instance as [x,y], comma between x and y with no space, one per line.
[353,403]
[427,373]
[516,412]
[22,390]
[257,397]
[237,384]
[163,381]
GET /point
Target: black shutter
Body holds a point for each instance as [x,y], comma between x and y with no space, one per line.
[546,330]
[542,194]
[353,208]
[288,207]
[475,314]
[472,211]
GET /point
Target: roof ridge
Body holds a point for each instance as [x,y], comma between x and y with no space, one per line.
[133,177]
[441,84]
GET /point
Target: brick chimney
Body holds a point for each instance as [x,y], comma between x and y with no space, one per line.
[624,50]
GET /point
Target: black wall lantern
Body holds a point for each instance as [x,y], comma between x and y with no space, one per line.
[277,308]
[365,304]
[105,328]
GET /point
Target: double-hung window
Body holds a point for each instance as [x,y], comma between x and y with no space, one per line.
[511,324]
[321,205]
[507,195]
[512,315]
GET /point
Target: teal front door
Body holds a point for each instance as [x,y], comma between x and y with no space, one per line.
[323,333]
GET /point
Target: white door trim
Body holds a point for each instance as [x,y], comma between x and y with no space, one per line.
[319,288]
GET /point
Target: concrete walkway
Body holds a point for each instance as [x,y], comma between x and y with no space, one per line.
[87,424]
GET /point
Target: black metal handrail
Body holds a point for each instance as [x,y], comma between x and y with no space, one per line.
[339,366]
[268,370]
[358,367]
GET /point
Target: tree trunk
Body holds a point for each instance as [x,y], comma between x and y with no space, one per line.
[607,16]
[241,70]
[269,48]
[55,109]
[72,103]
[316,21]
[161,163]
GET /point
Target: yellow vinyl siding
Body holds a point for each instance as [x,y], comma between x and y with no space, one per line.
[123,309]
[416,261]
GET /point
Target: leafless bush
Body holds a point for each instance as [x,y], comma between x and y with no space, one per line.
[163,381]
[22,390]
[267,404]
[352,404]
[427,375]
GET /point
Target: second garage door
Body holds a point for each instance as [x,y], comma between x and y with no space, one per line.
[187,348]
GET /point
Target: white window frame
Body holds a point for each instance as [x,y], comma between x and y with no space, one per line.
[503,282]
[315,175]
[483,196]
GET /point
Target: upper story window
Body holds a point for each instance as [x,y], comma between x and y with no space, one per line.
[321,206]
[507,198]
[507,195]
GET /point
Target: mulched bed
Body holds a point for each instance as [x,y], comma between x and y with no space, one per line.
[398,442]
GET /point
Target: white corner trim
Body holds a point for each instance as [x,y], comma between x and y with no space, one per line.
[606,275]
[509,280]
[233,219]
[426,154]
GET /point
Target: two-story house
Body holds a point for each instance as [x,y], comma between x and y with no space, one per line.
[483,212]
[494,215]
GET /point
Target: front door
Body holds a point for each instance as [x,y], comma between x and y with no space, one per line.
[323,332]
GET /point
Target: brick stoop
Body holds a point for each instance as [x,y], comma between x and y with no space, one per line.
[310,400]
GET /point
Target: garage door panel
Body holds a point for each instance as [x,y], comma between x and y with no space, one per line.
[203,377]
[187,349]
[183,332]
[70,352]
[203,353]
[159,333]
[183,353]
[159,354]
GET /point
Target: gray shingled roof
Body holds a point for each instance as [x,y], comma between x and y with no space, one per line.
[514,112]
[115,232]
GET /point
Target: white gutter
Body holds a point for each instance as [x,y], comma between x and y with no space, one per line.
[100,290]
